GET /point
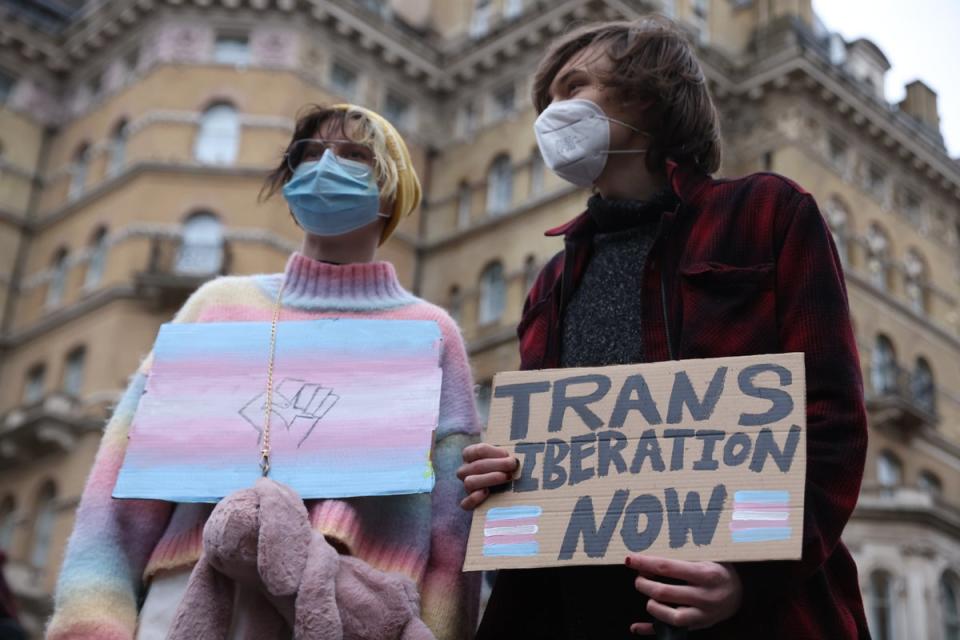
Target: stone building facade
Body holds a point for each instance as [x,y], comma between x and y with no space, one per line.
[134,136]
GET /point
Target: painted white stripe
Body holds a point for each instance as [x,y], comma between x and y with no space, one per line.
[511,531]
[761,515]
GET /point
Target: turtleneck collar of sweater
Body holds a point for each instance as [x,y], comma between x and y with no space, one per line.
[618,215]
[362,286]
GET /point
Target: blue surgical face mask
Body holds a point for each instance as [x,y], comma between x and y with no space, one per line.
[333,196]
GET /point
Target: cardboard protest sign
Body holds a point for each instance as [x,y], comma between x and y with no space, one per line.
[688,459]
[355,405]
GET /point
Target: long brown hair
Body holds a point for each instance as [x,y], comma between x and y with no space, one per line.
[653,63]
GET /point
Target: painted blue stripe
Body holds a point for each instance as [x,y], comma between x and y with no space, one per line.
[761,496]
[521,511]
[761,535]
[515,550]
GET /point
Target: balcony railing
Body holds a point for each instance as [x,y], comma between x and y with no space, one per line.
[175,268]
[901,398]
[53,424]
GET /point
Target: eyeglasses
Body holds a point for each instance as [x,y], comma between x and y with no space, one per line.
[312,149]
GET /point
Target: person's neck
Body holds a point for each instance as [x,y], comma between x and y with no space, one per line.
[628,178]
[325,250]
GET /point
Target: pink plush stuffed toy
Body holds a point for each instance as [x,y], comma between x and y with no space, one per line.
[261,538]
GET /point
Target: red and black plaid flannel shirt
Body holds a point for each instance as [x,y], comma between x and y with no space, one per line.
[748,266]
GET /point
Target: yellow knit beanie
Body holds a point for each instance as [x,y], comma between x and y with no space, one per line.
[408,194]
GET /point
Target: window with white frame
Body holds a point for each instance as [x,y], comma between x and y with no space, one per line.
[73,372]
[344,80]
[96,259]
[118,148]
[481,18]
[883,366]
[218,138]
[889,470]
[464,205]
[493,294]
[500,186]
[950,605]
[57,283]
[201,245]
[45,516]
[881,605]
[35,385]
[878,257]
[79,169]
[397,110]
[232,48]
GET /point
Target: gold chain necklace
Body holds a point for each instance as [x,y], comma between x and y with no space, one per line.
[265,449]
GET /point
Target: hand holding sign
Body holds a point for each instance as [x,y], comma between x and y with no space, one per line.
[693,460]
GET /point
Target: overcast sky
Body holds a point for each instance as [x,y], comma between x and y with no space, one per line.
[921,39]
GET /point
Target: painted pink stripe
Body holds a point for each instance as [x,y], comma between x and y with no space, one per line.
[509,539]
[740,525]
[512,522]
[760,506]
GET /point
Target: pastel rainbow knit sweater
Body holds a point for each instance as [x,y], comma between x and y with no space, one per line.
[117,545]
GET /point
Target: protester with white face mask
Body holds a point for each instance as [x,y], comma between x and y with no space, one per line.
[669,263]
[348,180]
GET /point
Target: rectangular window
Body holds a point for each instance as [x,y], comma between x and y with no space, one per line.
[232,48]
[344,80]
[468,119]
[837,150]
[397,110]
[504,101]
[480,20]
[73,372]
[876,179]
[33,390]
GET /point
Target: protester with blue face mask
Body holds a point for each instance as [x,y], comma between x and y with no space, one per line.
[348,180]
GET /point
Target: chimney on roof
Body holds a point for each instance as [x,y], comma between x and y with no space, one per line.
[921,103]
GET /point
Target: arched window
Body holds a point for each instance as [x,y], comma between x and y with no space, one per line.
[219,136]
[500,185]
[8,521]
[878,257]
[922,386]
[35,384]
[536,174]
[79,169]
[881,605]
[58,278]
[201,247]
[118,148]
[950,603]
[97,258]
[883,366]
[73,372]
[889,470]
[493,294]
[464,205]
[915,271]
[455,303]
[929,482]
[44,519]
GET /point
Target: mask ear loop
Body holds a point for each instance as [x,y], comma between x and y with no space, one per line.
[628,126]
